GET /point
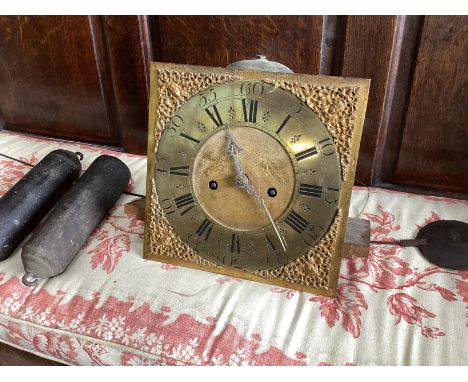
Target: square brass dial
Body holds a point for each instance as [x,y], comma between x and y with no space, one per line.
[196,217]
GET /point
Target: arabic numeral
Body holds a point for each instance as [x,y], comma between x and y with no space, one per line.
[177,121]
[327,147]
[313,234]
[167,206]
[295,109]
[332,195]
[252,88]
[207,96]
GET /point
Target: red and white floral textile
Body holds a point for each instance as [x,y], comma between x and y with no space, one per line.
[111,307]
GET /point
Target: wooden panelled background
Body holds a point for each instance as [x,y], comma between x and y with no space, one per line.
[86,78]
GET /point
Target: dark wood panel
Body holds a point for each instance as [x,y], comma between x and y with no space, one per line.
[10,356]
[434,150]
[51,80]
[367,50]
[404,53]
[295,41]
[333,40]
[128,60]
[86,78]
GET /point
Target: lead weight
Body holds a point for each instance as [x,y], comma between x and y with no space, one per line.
[29,200]
[55,244]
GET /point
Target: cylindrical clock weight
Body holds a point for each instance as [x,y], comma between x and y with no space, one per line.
[29,200]
[55,244]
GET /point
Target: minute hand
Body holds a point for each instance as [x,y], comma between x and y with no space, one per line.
[232,148]
[262,203]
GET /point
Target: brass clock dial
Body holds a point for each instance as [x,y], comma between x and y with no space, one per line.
[247,175]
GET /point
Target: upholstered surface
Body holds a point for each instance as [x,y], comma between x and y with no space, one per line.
[111,307]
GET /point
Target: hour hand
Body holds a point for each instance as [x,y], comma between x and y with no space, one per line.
[232,149]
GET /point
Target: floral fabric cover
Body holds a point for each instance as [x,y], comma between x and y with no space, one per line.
[111,307]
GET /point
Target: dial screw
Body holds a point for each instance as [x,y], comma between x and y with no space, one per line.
[213,184]
[272,192]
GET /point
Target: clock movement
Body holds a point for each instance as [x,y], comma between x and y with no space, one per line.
[250,173]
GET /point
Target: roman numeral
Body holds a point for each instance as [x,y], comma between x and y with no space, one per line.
[252,116]
[179,170]
[215,117]
[282,124]
[185,211]
[310,190]
[189,138]
[184,200]
[296,222]
[306,153]
[235,246]
[270,243]
[206,226]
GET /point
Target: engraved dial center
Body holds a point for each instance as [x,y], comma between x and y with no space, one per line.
[265,162]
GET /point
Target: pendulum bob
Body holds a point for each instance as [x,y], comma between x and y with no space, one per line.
[55,244]
[446,243]
[31,198]
[442,242]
